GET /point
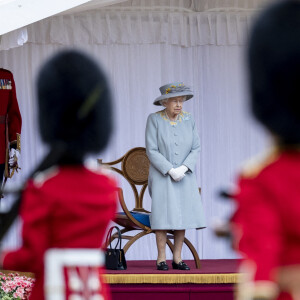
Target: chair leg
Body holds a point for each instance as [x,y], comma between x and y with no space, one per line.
[194,252]
[138,236]
[134,239]
[171,246]
[192,249]
[169,243]
[124,230]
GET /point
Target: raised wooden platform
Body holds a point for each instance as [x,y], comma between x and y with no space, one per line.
[214,271]
[214,281]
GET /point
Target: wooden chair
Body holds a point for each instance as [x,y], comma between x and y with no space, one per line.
[135,169]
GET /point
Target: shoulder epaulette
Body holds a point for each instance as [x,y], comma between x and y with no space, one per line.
[41,177]
[255,165]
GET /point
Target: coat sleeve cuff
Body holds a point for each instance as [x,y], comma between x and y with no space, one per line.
[189,166]
[16,144]
[165,168]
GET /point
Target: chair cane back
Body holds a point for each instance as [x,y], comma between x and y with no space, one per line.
[135,169]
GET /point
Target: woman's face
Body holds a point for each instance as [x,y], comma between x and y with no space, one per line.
[174,105]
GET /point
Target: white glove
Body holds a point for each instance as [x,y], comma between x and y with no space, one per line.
[182,170]
[176,174]
[14,156]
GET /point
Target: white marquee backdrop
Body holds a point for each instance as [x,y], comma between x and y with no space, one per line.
[216,73]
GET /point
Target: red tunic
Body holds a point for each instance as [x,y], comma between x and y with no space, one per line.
[267,221]
[67,207]
[8,106]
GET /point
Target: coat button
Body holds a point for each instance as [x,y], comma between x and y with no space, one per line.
[176,143]
[175,133]
[175,163]
[176,153]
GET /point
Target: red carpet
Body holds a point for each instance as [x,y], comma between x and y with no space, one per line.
[208,266]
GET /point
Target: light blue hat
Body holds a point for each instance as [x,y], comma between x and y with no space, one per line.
[174,89]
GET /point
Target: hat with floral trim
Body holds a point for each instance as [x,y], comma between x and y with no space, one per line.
[174,89]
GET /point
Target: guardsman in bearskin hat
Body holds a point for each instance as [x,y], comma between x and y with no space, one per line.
[10,126]
[267,220]
[66,206]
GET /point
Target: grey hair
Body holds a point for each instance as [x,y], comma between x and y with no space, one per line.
[166,100]
[163,101]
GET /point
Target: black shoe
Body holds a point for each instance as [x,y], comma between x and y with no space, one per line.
[162,266]
[180,266]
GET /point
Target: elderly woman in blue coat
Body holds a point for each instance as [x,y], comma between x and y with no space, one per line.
[173,146]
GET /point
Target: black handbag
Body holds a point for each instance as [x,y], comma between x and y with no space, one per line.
[115,258]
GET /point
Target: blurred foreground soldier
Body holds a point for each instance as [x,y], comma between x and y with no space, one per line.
[10,127]
[66,206]
[267,221]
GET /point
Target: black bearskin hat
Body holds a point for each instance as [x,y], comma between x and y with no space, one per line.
[74,104]
[274,64]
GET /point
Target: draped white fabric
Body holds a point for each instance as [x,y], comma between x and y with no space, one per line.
[84,21]
[123,27]
[13,39]
[138,62]
[193,5]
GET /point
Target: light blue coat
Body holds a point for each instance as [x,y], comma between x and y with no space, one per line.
[175,205]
